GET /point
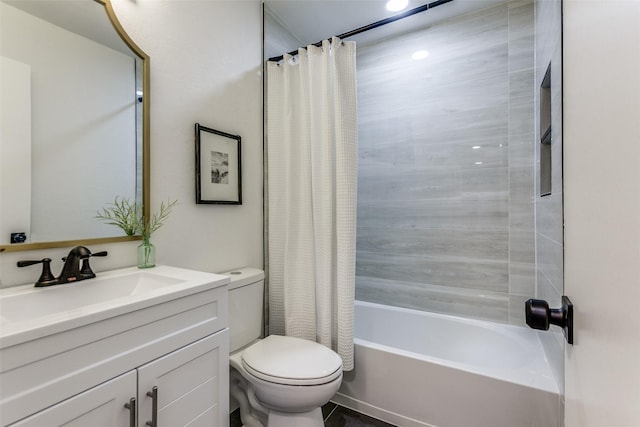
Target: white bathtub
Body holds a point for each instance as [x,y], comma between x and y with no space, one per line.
[423,369]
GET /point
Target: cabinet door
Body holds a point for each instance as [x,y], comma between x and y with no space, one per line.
[100,406]
[192,385]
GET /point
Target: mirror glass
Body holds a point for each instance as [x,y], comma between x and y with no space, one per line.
[74,124]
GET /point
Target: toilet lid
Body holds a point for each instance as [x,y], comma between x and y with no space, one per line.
[294,361]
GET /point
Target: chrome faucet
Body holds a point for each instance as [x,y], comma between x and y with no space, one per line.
[72,271]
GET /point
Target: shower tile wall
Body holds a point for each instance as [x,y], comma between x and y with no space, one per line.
[445,180]
[549,228]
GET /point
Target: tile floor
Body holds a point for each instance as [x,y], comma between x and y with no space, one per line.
[339,416]
[334,416]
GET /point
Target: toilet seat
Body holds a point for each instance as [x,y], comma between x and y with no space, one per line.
[291,361]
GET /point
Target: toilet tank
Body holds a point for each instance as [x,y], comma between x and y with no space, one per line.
[246,303]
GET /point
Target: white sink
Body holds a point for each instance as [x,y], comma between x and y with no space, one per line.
[26,311]
[34,302]
[62,340]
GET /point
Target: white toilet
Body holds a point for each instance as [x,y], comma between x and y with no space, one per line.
[278,381]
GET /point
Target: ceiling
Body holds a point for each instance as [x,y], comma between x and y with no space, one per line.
[314,20]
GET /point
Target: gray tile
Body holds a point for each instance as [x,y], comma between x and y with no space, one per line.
[438,219]
[553,341]
[556,153]
[327,409]
[520,53]
[465,273]
[459,49]
[390,156]
[521,118]
[521,86]
[440,126]
[547,29]
[467,214]
[478,244]
[522,246]
[334,416]
[513,4]
[486,305]
[234,419]
[549,217]
[522,150]
[522,278]
[521,19]
[344,417]
[462,185]
[521,216]
[550,260]
[547,291]
[516,309]
[402,95]
[521,40]
[521,184]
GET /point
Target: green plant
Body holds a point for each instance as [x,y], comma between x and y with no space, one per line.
[127,214]
[122,213]
[150,225]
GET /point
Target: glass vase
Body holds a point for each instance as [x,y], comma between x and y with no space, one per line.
[146,254]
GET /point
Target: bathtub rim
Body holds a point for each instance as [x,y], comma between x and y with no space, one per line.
[543,378]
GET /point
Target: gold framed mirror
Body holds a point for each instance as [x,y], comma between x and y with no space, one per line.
[83,136]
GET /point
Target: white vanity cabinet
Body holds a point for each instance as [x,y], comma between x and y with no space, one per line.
[191,385]
[101,406]
[186,385]
[83,373]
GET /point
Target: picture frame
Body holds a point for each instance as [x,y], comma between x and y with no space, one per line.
[218,167]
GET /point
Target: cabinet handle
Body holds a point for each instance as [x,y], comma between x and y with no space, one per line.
[131,406]
[153,394]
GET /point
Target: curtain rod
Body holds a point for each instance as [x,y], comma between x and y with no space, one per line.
[376,24]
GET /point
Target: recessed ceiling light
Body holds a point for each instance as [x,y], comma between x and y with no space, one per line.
[419,54]
[475,147]
[478,163]
[397,5]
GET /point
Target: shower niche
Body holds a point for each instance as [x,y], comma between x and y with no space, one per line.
[545,134]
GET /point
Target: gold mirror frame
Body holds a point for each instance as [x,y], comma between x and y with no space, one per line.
[146,128]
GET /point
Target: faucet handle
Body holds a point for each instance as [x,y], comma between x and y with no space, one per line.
[46,278]
[85,271]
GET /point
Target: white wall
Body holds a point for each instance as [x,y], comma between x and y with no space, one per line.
[602,210]
[205,68]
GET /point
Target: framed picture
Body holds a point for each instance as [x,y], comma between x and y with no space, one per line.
[218,172]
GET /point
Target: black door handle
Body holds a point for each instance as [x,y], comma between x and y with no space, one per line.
[540,316]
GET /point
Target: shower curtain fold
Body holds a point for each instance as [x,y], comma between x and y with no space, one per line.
[311,179]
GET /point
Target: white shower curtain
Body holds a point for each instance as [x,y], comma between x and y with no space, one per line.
[311,156]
